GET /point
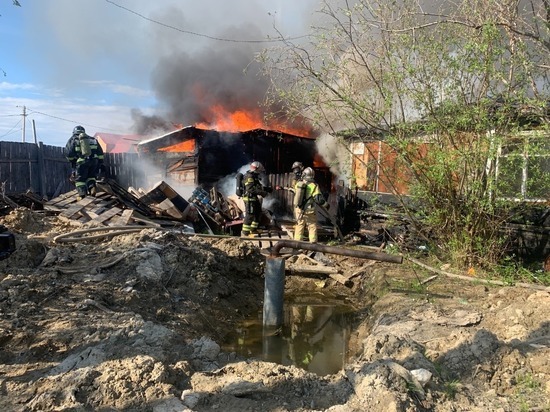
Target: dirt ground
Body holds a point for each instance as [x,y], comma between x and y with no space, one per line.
[135,322]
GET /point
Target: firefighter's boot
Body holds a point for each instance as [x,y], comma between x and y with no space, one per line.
[93,191]
[81,192]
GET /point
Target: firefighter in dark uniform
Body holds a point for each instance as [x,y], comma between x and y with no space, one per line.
[86,157]
[254,187]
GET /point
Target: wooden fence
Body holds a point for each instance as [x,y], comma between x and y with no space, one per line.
[44,170]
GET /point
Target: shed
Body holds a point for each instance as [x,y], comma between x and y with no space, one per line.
[195,156]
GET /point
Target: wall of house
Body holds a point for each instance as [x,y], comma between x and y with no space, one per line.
[376,168]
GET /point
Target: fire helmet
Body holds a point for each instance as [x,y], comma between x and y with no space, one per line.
[78,130]
[308,173]
[297,167]
[256,166]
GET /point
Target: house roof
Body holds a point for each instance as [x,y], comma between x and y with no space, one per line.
[118,143]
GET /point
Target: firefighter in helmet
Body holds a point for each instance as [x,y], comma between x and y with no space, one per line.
[254,187]
[86,158]
[297,169]
[307,196]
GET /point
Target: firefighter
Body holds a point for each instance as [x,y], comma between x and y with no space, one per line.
[86,157]
[254,187]
[307,196]
[297,168]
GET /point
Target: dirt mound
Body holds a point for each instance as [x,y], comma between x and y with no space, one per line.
[135,321]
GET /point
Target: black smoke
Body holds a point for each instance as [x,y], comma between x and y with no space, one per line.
[188,85]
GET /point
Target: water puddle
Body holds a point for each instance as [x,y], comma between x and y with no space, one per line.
[313,337]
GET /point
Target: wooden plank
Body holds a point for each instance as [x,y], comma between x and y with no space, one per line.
[362,270]
[41,169]
[107,215]
[56,201]
[65,202]
[341,279]
[142,219]
[101,206]
[313,269]
[74,209]
[122,220]
[85,216]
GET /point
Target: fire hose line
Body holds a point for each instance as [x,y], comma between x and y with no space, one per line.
[111,231]
[118,230]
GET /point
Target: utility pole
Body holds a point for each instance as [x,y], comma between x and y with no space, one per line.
[24,121]
[34,131]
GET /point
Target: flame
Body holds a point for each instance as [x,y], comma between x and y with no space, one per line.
[185,146]
[242,121]
[318,161]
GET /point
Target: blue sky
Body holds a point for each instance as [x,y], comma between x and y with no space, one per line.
[95,62]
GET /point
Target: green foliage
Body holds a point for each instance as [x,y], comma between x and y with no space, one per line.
[512,272]
[527,386]
[451,388]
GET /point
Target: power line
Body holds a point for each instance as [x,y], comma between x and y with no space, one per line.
[276,40]
[72,121]
[12,129]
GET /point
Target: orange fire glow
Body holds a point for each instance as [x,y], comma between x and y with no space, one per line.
[242,121]
[185,146]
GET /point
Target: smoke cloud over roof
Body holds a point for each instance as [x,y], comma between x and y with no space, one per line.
[189,85]
[171,61]
[220,71]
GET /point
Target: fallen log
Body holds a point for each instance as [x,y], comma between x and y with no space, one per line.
[475,279]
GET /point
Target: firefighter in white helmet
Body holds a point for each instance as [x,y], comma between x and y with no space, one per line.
[307,196]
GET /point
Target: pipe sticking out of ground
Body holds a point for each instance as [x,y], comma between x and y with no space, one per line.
[275,274]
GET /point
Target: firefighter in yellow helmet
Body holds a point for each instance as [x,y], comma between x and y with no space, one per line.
[254,187]
[86,158]
[307,196]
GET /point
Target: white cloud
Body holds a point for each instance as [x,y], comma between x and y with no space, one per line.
[5,86]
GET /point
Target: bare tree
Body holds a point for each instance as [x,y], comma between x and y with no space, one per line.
[459,76]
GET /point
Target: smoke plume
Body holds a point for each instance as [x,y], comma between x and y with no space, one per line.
[191,86]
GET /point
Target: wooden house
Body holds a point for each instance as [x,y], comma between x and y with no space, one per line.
[197,156]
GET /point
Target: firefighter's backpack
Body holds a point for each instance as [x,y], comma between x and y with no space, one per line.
[85,148]
[239,191]
[300,195]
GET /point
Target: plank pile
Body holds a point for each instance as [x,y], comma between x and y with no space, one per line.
[112,206]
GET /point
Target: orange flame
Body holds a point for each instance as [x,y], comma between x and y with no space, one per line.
[242,121]
[185,146]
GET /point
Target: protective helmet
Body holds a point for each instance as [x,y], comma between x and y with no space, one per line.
[308,173]
[297,167]
[78,130]
[257,166]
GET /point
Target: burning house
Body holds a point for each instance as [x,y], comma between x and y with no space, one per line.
[195,156]
[206,162]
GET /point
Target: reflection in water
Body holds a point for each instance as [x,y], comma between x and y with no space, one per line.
[313,337]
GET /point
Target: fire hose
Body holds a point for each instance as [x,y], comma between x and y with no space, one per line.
[76,236]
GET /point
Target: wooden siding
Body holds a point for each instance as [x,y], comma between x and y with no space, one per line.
[376,168]
[44,169]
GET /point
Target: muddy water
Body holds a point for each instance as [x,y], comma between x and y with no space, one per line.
[313,337]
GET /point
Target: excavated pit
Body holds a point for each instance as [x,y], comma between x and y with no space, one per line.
[149,321]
